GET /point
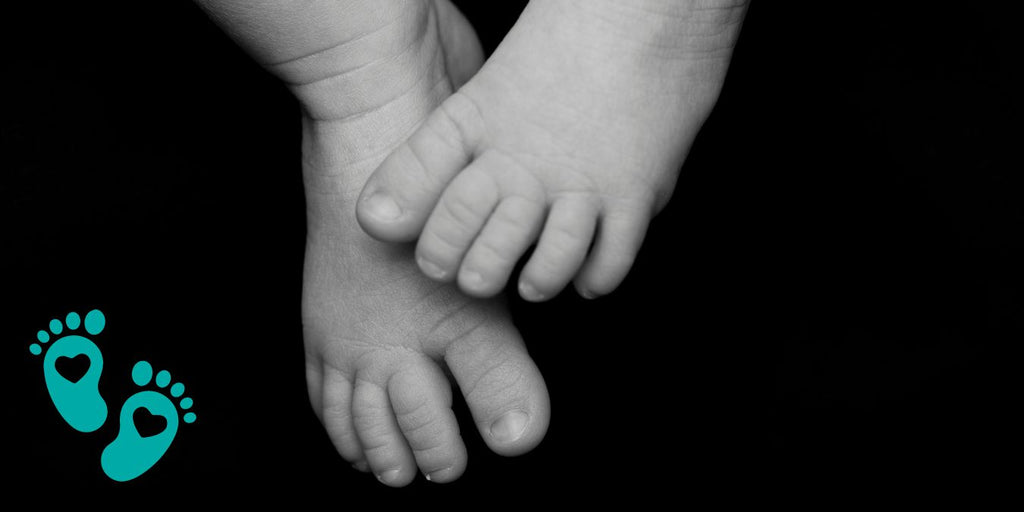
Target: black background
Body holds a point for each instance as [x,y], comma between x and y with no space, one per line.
[828,300]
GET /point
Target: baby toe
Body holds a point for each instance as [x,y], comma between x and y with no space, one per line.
[315,384]
[561,250]
[619,238]
[421,398]
[455,222]
[503,240]
[384,448]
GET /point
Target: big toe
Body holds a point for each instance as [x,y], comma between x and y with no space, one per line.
[397,199]
[502,387]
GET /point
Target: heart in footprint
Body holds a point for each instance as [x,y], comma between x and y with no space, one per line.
[72,368]
[148,424]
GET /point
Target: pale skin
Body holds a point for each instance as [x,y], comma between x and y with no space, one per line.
[571,138]
[554,145]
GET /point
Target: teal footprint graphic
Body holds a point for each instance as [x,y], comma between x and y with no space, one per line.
[131,454]
[78,401]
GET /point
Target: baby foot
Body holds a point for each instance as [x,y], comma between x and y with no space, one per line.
[76,397]
[132,453]
[572,135]
[379,337]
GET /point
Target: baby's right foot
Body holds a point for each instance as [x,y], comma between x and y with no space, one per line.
[571,135]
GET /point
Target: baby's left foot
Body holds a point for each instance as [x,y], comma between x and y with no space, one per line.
[571,135]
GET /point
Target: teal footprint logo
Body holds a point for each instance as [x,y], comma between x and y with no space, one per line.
[78,401]
[132,454]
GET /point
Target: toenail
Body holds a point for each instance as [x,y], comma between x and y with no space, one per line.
[439,475]
[361,466]
[383,207]
[431,269]
[388,477]
[528,292]
[587,294]
[472,279]
[509,427]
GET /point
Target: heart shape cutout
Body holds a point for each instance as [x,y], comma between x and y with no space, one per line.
[72,368]
[147,424]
